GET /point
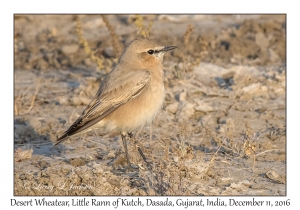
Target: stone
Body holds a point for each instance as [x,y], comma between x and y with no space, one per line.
[70,49]
[172,108]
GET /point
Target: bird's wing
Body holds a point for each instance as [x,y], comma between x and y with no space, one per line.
[113,92]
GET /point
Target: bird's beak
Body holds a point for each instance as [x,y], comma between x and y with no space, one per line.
[167,48]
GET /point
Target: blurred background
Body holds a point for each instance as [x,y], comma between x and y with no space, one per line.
[45,42]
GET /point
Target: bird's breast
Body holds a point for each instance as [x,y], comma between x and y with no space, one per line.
[139,111]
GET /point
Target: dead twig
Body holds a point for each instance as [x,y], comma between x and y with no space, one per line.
[35,94]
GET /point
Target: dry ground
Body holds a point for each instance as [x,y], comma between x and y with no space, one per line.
[222,129]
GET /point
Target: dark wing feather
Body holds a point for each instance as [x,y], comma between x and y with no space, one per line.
[113,92]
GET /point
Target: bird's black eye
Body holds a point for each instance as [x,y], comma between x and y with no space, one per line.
[150,52]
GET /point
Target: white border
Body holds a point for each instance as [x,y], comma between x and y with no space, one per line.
[153,6]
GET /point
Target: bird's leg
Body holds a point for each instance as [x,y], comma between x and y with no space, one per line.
[142,154]
[123,135]
[131,135]
[148,163]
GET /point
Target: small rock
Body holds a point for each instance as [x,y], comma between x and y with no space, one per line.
[93,23]
[81,100]
[41,64]
[35,57]
[43,164]
[109,52]
[187,110]
[251,88]
[192,187]
[23,153]
[20,129]
[111,154]
[204,107]
[69,49]
[180,18]
[114,182]
[240,184]
[273,56]
[77,162]
[182,96]
[261,40]
[88,62]
[57,181]
[132,191]
[264,88]
[132,174]
[172,108]
[226,179]
[66,168]
[63,101]
[23,133]
[34,122]
[97,169]
[279,91]
[275,177]
[91,145]
[208,120]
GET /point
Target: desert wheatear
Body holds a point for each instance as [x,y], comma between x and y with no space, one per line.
[130,96]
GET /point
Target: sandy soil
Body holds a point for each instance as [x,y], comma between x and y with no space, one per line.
[222,129]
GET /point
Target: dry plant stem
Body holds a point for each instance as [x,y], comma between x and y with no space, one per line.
[209,133]
[16,104]
[254,160]
[115,40]
[139,22]
[16,108]
[86,46]
[96,142]
[187,34]
[35,94]
[149,28]
[190,62]
[24,92]
[213,158]
[270,150]
[70,121]
[255,155]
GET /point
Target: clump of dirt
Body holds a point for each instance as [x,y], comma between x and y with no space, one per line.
[221,131]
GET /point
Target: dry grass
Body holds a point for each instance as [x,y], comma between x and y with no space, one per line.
[35,94]
[244,146]
[250,143]
[186,62]
[23,153]
[85,44]
[143,31]
[16,107]
[187,33]
[100,61]
[226,142]
[170,173]
[115,39]
[21,101]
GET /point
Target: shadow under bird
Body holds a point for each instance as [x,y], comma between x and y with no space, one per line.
[129,97]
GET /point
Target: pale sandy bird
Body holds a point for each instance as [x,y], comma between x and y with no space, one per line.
[130,96]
